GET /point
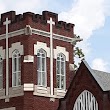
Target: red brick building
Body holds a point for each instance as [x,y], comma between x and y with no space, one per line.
[36,66]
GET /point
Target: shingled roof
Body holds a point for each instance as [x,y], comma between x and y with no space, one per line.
[102,78]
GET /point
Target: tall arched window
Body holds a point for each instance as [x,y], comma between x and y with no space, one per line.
[1,72]
[61,69]
[86,101]
[41,67]
[16,68]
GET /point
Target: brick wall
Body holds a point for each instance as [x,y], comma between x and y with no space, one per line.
[28,101]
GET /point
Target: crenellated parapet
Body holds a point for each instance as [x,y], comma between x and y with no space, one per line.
[36,21]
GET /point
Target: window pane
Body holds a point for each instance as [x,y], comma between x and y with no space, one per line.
[43,55]
[58,67]
[62,59]
[14,79]
[19,78]
[19,63]
[62,68]
[43,78]
[41,67]
[39,78]
[62,82]
[15,65]
[39,63]
[43,64]
[58,81]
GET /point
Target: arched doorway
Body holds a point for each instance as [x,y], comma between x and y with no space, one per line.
[86,101]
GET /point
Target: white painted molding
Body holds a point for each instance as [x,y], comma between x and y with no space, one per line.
[13,92]
[41,90]
[42,33]
[12,34]
[7,99]
[71,67]
[61,50]
[42,45]
[16,91]
[59,93]
[17,46]
[55,36]
[2,52]
[28,87]
[28,59]
[11,108]
[45,92]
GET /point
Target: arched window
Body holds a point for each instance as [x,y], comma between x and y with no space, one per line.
[16,68]
[61,69]
[1,72]
[86,101]
[41,67]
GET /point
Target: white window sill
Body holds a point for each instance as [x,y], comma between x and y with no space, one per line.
[61,90]
[41,87]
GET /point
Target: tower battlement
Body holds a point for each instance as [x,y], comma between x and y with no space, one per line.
[36,21]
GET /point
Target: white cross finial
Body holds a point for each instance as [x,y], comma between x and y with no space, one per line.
[7,22]
[51,54]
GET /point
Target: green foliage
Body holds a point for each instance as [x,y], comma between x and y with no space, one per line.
[78,53]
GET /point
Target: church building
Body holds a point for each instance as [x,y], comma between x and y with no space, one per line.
[37,66]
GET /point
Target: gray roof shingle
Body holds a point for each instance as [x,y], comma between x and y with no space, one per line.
[102,78]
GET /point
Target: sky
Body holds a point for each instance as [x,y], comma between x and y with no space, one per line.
[91,19]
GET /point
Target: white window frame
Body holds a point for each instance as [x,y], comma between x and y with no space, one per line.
[59,71]
[41,69]
[1,73]
[16,81]
[86,101]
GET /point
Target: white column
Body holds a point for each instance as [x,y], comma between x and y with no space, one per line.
[7,69]
[51,54]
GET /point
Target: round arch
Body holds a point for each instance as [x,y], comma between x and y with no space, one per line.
[86,101]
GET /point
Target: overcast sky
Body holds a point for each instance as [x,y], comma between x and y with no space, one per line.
[91,19]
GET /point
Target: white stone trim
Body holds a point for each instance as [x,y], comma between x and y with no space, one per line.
[55,36]
[2,52]
[12,34]
[11,108]
[13,92]
[42,45]
[28,87]
[16,91]
[2,93]
[41,90]
[59,93]
[45,92]
[71,67]
[61,50]
[17,46]
[28,59]
[42,33]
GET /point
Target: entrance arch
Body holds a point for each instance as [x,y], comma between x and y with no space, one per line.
[86,101]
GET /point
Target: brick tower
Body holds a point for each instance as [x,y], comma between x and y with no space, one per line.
[36,60]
